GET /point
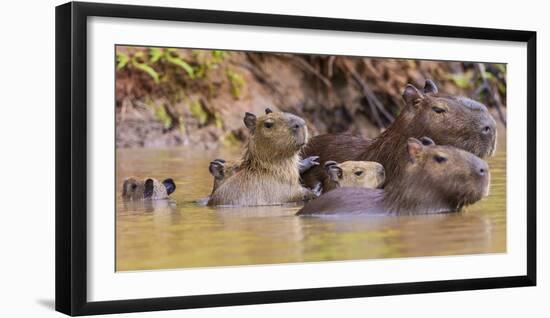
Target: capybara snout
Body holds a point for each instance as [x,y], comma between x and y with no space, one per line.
[298,128]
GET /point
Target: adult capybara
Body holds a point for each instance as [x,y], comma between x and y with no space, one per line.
[360,174]
[449,120]
[221,169]
[268,173]
[434,179]
[148,189]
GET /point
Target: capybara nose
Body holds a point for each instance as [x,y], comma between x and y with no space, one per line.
[489,126]
[297,124]
[482,168]
[482,171]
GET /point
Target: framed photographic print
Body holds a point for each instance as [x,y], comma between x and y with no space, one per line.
[208,158]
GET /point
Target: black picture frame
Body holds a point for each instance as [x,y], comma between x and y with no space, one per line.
[71,157]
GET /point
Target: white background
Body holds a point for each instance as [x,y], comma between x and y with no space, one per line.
[27,188]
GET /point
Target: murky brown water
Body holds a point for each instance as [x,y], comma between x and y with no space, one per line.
[182,233]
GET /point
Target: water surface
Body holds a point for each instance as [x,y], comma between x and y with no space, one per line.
[181,233]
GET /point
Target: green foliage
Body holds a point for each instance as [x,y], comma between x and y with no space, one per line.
[198,111]
[462,80]
[172,56]
[137,62]
[237,83]
[122,60]
[148,63]
[161,114]
[155,54]
[157,62]
[218,56]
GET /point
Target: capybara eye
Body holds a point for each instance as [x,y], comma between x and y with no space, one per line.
[438,110]
[358,173]
[268,124]
[439,159]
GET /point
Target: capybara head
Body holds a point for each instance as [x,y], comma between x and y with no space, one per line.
[133,189]
[275,134]
[442,176]
[449,120]
[221,170]
[217,169]
[361,174]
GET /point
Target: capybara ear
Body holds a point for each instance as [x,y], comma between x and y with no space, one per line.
[268,111]
[411,95]
[169,185]
[330,163]
[414,148]
[250,121]
[125,187]
[334,172]
[427,141]
[129,184]
[149,188]
[430,87]
[216,168]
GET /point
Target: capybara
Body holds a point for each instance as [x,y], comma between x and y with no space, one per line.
[148,189]
[362,174]
[449,120]
[268,173]
[434,179]
[221,169]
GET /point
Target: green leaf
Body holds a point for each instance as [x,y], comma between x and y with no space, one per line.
[237,83]
[196,109]
[162,116]
[462,80]
[149,70]
[155,54]
[122,60]
[489,75]
[218,55]
[173,57]
[160,113]
[145,67]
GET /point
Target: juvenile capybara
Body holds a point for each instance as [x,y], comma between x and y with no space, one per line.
[268,173]
[434,179]
[449,120]
[361,174]
[221,169]
[148,189]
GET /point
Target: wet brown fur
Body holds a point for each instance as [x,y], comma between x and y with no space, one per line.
[462,124]
[269,172]
[424,186]
[221,169]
